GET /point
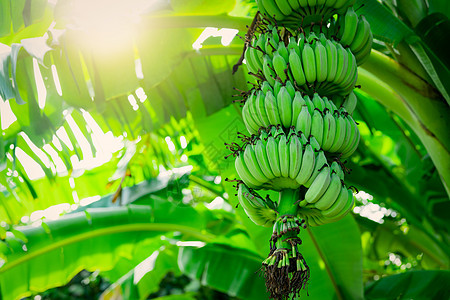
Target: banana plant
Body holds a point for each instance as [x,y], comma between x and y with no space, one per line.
[172,106]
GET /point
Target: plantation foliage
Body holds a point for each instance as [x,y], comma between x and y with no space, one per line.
[112,153]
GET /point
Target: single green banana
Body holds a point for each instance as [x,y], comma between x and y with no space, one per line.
[319,186]
[297,105]
[321,62]
[252,110]
[272,10]
[266,87]
[336,168]
[353,144]
[314,143]
[255,207]
[346,66]
[331,194]
[245,174]
[338,205]
[263,161]
[362,55]
[284,101]
[250,124]
[252,164]
[309,63]
[329,131]
[294,4]
[309,104]
[261,109]
[332,61]
[272,109]
[290,88]
[318,102]
[349,27]
[296,68]
[268,72]
[320,163]
[283,51]
[276,88]
[362,35]
[284,7]
[296,152]
[283,152]
[307,167]
[349,134]
[249,62]
[273,156]
[304,121]
[347,208]
[340,134]
[280,66]
[317,126]
[350,103]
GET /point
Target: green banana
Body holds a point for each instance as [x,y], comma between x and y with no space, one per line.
[317,126]
[362,35]
[348,27]
[272,9]
[350,103]
[273,157]
[296,152]
[321,62]
[256,207]
[296,68]
[307,166]
[284,7]
[319,186]
[331,60]
[329,131]
[261,109]
[304,121]
[338,205]
[245,174]
[319,164]
[283,152]
[309,63]
[252,164]
[280,66]
[331,194]
[285,107]
[340,134]
[263,161]
[268,72]
[272,109]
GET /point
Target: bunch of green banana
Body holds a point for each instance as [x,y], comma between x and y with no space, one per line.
[299,115]
[311,62]
[261,211]
[334,129]
[276,161]
[291,12]
[354,32]
[327,199]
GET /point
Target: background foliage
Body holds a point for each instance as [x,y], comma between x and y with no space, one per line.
[125,134]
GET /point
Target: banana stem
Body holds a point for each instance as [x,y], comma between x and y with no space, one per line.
[287,204]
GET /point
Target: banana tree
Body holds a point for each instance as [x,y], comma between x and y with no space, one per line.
[76,78]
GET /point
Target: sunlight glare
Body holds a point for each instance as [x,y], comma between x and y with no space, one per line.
[7,116]
[105,22]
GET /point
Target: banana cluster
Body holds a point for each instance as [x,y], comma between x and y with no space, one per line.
[354,32]
[334,129]
[327,199]
[311,62]
[291,12]
[299,115]
[261,211]
[277,161]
